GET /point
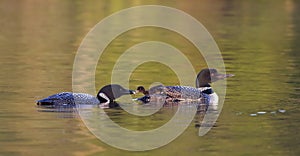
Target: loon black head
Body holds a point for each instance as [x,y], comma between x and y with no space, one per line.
[109,93]
[209,75]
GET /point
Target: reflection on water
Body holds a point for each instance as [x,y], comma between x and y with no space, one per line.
[145,132]
[259,42]
[139,139]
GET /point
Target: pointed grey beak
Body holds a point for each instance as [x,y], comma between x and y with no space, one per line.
[221,76]
[226,75]
[125,92]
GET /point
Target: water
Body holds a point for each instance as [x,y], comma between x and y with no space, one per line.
[259,41]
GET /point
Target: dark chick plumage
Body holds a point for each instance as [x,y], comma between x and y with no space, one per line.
[106,95]
[141,89]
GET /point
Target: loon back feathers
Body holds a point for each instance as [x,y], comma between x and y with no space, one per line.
[82,98]
[184,92]
[68,98]
[60,98]
[177,93]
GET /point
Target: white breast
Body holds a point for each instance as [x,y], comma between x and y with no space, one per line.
[214,99]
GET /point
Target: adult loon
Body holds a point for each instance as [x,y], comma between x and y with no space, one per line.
[203,91]
[105,97]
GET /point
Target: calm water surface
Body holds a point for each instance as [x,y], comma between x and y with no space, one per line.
[259,41]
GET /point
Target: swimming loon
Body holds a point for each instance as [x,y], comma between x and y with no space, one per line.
[203,91]
[142,90]
[146,97]
[105,97]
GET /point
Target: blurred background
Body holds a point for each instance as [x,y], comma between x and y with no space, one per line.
[259,41]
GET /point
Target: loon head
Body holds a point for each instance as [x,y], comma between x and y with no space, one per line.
[209,75]
[141,89]
[109,93]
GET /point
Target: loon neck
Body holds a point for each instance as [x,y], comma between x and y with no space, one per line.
[103,98]
[204,85]
[206,89]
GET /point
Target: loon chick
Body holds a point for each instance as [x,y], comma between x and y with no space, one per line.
[105,97]
[146,97]
[141,89]
[202,92]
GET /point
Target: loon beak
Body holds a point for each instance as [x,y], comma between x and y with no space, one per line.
[227,75]
[127,91]
[221,76]
[132,92]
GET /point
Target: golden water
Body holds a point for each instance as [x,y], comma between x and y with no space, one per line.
[259,41]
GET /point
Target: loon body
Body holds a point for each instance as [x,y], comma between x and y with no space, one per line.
[179,93]
[105,97]
[203,91]
[68,99]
